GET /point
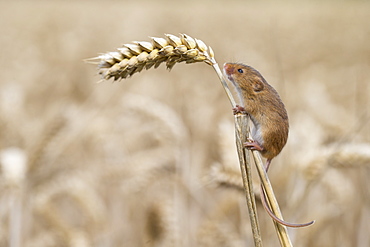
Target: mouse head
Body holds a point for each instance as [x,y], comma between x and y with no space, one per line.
[245,77]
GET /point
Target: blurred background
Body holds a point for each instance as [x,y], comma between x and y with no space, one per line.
[151,160]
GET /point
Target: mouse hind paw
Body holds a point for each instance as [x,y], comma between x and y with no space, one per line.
[253,145]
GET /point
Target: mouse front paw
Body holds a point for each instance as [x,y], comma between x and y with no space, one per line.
[239,109]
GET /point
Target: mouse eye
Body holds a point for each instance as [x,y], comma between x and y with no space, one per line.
[240,71]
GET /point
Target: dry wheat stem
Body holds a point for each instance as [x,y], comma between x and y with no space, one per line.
[224,84]
[271,199]
[241,130]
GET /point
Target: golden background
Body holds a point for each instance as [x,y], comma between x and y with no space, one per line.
[151,160]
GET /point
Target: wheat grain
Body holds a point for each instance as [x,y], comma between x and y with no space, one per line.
[155,222]
[226,178]
[39,150]
[79,188]
[13,163]
[351,155]
[142,169]
[355,155]
[164,114]
[217,229]
[133,58]
[171,138]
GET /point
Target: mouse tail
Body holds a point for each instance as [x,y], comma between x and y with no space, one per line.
[271,214]
[278,220]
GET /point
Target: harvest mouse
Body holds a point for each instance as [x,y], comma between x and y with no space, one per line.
[270,119]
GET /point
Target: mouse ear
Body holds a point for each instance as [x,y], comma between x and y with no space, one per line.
[258,85]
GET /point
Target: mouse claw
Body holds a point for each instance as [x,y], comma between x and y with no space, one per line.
[250,140]
[239,109]
[252,145]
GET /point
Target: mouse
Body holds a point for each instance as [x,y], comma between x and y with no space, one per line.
[268,114]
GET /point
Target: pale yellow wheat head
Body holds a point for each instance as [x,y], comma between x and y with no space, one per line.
[133,58]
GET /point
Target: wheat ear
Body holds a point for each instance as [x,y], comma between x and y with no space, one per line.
[133,58]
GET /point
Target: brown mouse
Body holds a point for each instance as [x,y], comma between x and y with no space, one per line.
[268,114]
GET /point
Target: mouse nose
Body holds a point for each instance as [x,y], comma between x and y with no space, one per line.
[229,69]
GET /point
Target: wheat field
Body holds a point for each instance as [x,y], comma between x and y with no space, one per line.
[151,160]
